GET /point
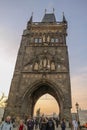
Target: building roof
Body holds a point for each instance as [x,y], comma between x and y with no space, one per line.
[49,18]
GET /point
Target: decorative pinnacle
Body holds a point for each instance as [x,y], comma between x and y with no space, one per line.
[53,10]
[64,19]
[32,14]
[45,11]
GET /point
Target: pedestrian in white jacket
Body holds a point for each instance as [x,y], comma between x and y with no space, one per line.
[6,125]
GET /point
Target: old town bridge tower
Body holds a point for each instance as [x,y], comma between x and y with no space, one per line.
[42,67]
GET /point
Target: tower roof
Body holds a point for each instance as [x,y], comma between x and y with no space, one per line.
[49,18]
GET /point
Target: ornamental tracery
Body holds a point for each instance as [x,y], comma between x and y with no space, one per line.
[45,62]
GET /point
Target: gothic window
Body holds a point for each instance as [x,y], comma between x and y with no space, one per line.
[52,40]
[56,40]
[40,40]
[36,40]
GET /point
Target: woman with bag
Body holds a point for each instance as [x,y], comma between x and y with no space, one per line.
[22,126]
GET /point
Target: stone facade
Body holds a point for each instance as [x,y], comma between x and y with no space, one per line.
[42,67]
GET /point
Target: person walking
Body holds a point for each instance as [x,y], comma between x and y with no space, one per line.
[57,122]
[63,124]
[50,124]
[30,124]
[43,123]
[22,126]
[75,124]
[6,125]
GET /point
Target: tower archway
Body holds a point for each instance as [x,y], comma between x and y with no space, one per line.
[38,89]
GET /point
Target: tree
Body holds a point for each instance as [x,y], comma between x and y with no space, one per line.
[3,100]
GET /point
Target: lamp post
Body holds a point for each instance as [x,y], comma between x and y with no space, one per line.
[77,108]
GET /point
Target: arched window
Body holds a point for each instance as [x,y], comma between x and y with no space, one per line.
[56,40]
[40,40]
[52,40]
[36,40]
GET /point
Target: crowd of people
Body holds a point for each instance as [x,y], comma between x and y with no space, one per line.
[42,123]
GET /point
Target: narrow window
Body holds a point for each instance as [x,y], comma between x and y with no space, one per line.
[52,40]
[36,40]
[56,39]
[40,40]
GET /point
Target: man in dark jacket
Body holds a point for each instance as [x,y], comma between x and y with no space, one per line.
[30,124]
[50,124]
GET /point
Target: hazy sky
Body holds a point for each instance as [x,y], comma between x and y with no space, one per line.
[14,15]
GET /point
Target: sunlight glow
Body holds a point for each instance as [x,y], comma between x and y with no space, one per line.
[47,104]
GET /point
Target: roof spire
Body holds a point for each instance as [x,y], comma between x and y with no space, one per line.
[53,10]
[32,14]
[64,19]
[30,21]
[45,11]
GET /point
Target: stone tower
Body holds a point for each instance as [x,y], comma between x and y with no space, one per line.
[42,67]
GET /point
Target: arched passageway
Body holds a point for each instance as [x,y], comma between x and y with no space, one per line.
[47,105]
[37,90]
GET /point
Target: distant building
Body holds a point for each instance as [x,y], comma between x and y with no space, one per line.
[82,116]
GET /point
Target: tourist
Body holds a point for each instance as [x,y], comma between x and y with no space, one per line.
[6,125]
[43,123]
[50,124]
[36,123]
[21,126]
[75,124]
[57,122]
[63,124]
[30,124]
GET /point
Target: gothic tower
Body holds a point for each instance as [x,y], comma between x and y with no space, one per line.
[42,67]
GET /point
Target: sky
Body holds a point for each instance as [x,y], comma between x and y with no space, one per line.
[14,15]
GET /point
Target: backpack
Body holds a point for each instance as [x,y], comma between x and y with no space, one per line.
[50,123]
[30,123]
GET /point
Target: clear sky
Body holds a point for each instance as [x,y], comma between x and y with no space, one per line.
[14,15]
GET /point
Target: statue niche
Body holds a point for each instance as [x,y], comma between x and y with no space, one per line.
[44,64]
[36,66]
[53,65]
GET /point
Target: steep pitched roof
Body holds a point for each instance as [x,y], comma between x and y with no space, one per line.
[49,18]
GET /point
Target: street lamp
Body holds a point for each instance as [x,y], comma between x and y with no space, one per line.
[77,108]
